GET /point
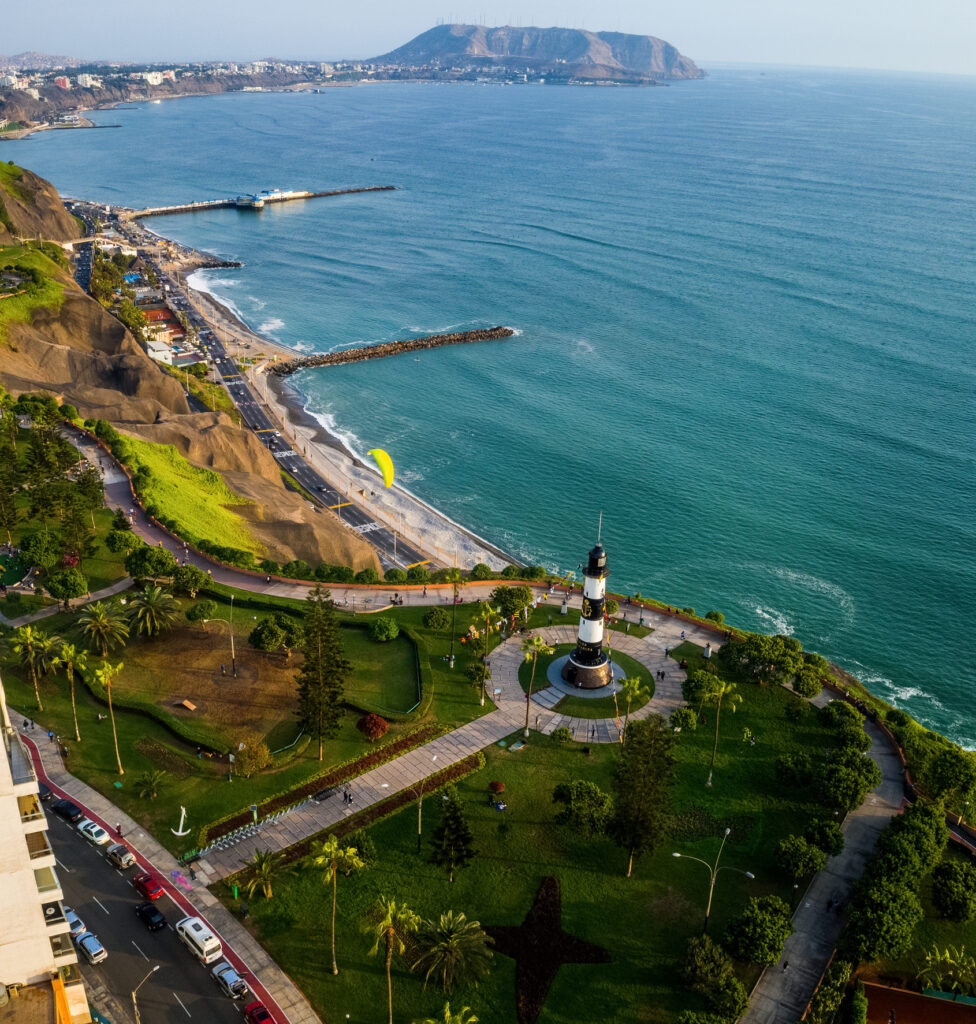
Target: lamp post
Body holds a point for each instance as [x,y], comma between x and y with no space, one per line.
[454,581]
[713,870]
[135,1005]
[420,808]
[230,626]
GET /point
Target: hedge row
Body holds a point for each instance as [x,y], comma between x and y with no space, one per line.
[334,775]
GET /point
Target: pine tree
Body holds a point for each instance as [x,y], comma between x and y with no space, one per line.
[321,679]
[453,840]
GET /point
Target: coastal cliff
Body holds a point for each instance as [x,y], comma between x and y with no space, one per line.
[30,207]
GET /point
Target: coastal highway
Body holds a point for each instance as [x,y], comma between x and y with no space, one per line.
[181,991]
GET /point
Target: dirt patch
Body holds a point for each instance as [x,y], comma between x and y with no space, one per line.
[163,757]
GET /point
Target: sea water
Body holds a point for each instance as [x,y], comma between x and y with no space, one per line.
[744,311]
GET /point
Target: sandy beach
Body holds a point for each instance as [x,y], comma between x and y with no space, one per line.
[443,541]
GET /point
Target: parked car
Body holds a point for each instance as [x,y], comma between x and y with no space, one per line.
[229,981]
[75,923]
[92,832]
[44,792]
[147,885]
[120,855]
[67,810]
[151,916]
[92,950]
[255,1013]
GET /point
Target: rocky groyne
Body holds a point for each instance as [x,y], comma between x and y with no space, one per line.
[390,348]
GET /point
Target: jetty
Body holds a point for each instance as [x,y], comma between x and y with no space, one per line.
[389,348]
[248,201]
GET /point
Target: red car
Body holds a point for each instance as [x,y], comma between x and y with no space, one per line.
[255,1013]
[148,885]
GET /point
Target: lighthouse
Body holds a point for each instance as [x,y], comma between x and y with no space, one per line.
[588,666]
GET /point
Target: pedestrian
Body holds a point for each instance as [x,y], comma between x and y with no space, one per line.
[50,735]
[786,966]
[118,829]
[268,580]
[592,731]
[32,725]
[199,753]
[25,726]
[425,590]
[223,671]
[682,634]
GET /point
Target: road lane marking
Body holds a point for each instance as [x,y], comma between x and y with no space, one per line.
[63,867]
[102,905]
[180,1001]
[143,955]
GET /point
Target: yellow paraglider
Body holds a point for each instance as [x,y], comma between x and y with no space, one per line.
[384,462]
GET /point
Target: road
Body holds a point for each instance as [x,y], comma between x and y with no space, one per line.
[181,991]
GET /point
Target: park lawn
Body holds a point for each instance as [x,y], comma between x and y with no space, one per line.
[20,308]
[213,396]
[644,921]
[18,603]
[103,568]
[197,499]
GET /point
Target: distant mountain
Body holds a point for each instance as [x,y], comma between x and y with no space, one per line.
[31,60]
[569,52]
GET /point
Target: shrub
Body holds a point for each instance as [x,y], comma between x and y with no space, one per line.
[883,918]
[826,835]
[728,998]
[794,769]
[705,963]
[202,610]
[369,575]
[418,574]
[684,720]
[826,1002]
[859,1005]
[122,541]
[758,934]
[954,890]
[481,572]
[384,628]
[395,576]
[69,412]
[436,618]
[328,573]
[798,859]
[251,758]
[806,683]
[511,600]
[586,808]
[534,572]
[687,611]
[365,847]
[796,710]
[497,787]
[561,735]
[714,616]
[373,727]
[511,572]
[297,569]
[612,606]
[268,566]
[845,778]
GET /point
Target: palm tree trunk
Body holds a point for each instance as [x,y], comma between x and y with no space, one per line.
[115,735]
[626,722]
[711,767]
[74,709]
[389,979]
[630,863]
[37,690]
[335,966]
[528,696]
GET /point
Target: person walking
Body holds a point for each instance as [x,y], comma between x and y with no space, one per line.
[118,829]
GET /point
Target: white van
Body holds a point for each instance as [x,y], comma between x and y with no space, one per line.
[199,940]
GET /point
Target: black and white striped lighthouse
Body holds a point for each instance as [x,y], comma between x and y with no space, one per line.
[588,666]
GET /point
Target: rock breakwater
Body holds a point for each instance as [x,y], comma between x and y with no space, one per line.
[390,348]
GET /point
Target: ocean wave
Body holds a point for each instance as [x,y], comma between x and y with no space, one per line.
[811,584]
[271,325]
[778,620]
[347,438]
[584,347]
[258,304]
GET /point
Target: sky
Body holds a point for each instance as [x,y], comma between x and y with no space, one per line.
[899,35]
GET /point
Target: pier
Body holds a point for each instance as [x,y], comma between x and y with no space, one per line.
[389,348]
[249,201]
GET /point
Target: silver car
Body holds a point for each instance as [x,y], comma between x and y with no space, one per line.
[120,855]
[94,952]
[75,923]
[92,832]
[230,982]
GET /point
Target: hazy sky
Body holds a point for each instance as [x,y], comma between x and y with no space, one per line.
[911,35]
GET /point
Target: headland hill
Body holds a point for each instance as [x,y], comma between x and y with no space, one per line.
[40,92]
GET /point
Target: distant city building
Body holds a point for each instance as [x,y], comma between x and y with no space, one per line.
[169,76]
[8,81]
[37,956]
[62,83]
[89,81]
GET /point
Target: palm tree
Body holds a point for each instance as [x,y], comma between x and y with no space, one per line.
[149,783]
[265,867]
[631,689]
[532,647]
[72,658]
[336,859]
[153,610]
[395,920]
[463,1016]
[487,616]
[453,950]
[32,646]
[103,676]
[723,691]
[104,627]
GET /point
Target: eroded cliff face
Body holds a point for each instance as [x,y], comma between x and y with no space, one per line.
[33,208]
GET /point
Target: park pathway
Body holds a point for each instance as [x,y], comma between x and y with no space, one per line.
[781,995]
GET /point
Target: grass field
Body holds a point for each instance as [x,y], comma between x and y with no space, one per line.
[213,396]
[50,295]
[644,921]
[198,499]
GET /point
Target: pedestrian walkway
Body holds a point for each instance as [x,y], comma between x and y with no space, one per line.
[119,587]
[781,995]
[266,978]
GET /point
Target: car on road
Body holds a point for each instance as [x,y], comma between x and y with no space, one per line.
[75,923]
[93,832]
[92,950]
[147,885]
[256,1013]
[151,916]
[44,792]
[120,855]
[67,810]
[229,981]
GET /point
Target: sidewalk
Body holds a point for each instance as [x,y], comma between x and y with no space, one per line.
[275,989]
[781,996]
[120,586]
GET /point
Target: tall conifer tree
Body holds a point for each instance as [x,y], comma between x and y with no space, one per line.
[322,677]
[453,840]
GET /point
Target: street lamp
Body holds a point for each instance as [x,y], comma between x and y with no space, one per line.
[713,870]
[454,582]
[230,626]
[135,1005]
[420,808]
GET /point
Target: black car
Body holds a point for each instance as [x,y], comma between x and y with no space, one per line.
[44,792]
[67,810]
[152,918]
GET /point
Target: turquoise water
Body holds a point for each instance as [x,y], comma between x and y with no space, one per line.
[745,310]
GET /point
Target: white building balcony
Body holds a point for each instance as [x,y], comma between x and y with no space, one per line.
[41,854]
[31,814]
[48,883]
[21,769]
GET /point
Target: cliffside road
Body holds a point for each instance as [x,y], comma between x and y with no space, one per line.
[780,995]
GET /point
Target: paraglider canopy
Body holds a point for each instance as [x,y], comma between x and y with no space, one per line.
[385,464]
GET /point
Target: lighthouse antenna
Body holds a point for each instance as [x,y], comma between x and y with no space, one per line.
[599,529]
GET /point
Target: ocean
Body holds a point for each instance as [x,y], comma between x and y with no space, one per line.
[744,311]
